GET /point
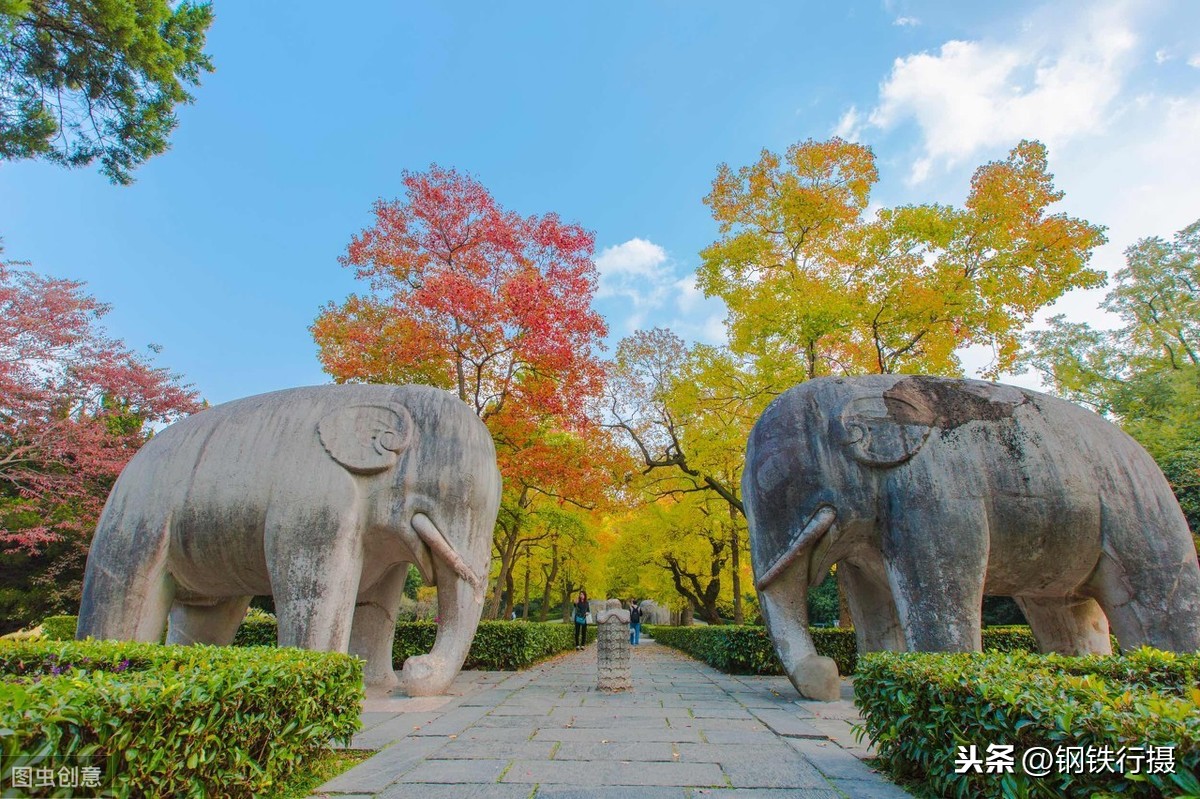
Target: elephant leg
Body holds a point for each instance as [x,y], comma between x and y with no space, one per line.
[1069,626]
[314,586]
[1147,578]
[876,624]
[1149,607]
[127,591]
[374,629]
[936,558]
[206,621]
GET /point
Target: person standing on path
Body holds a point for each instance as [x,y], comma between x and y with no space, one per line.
[581,614]
[635,623]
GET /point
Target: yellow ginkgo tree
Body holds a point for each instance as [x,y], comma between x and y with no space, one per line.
[817,286]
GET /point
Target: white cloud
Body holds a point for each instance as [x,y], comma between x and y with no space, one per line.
[906,22]
[972,95]
[645,288]
[1194,61]
[849,127]
[634,258]
[636,269]
[1122,146]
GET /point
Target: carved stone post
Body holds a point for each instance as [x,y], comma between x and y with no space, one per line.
[612,648]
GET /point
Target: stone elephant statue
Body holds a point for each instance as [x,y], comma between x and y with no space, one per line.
[930,493]
[320,497]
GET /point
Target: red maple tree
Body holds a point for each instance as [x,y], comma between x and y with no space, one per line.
[75,405]
[491,305]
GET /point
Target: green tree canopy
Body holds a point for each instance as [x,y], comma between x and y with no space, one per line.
[88,79]
[1146,372]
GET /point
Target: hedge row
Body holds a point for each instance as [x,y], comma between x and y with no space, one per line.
[173,721]
[919,708]
[748,649]
[498,645]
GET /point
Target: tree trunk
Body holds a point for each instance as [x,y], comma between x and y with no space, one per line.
[509,595]
[569,589]
[844,619]
[551,576]
[525,608]
[736,557]
[506,564]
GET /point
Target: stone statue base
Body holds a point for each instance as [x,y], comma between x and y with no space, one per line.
[612,648]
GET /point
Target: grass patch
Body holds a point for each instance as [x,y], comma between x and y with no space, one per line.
[320,770]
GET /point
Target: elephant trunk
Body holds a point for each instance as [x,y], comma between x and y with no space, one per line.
[460,604]
[783,591]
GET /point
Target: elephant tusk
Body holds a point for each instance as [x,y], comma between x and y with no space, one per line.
[433,538]
[817,526]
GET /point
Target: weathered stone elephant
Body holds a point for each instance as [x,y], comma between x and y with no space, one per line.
[321,497]
[930,493]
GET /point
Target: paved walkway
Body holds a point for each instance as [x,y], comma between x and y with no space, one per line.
[686,731]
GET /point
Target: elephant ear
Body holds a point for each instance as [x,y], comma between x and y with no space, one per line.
[366,439]
[880,434]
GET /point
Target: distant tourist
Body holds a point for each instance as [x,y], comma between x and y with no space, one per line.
[581,619]
[635,623]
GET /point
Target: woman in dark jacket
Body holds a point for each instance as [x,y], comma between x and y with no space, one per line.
[581,612]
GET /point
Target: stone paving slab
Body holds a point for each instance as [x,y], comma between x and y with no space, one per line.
[789,725]
[685,731]
[455,771]
[487,790]
[768,793]
[610,773]
[605,734]
[641,751]
[615,792]
[724,753]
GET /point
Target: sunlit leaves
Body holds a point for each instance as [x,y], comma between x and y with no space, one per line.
[815,286]
[497,308]
[81,81]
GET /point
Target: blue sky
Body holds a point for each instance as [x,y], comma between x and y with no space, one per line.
[612,115]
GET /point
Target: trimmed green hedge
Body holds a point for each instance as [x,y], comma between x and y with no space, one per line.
[174,721]
[918,708]
[748,649]
[59,628]
[498,645]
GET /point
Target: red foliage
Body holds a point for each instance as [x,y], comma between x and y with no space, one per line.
[472,298]
[73,403]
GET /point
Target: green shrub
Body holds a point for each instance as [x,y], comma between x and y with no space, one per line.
[1009,638]
[258,629]
[736,650]
[748,649]
[498,645]
[59,628]
[174,721]
[501,645]
[918,708]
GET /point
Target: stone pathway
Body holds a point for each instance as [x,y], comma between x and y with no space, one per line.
[686,731]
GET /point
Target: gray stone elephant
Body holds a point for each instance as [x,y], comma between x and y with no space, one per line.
[319,496]
[930,493]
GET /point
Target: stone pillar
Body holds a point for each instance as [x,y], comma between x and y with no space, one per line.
[612,648]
